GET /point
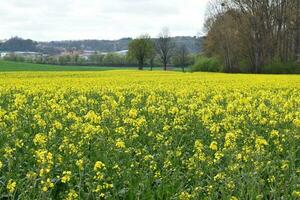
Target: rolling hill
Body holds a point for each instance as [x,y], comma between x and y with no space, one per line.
[194,45]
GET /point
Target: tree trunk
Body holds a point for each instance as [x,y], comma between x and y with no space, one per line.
[297,43]
[141,65]
[151,64]
[165,66]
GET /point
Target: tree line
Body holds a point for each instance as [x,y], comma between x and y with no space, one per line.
[143,51]
[254,36]
[99,59]
[58,47]
[163,49]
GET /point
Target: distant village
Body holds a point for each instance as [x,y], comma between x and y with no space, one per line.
[64,52]
[85,52]
[82,54]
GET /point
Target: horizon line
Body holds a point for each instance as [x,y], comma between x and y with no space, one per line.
[62,40]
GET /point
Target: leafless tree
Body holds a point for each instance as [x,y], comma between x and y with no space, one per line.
[182,56]
[256,31]
[165,47]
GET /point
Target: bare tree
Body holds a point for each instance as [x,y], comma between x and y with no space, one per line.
[165,47]
[152,59]
[222,40]
[182,56]
[257,32]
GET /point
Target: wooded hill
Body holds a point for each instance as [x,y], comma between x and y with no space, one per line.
[193,44]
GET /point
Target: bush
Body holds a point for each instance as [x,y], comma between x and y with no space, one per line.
[279,67]
[205,64]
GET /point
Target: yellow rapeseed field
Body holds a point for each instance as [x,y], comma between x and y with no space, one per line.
[149,135]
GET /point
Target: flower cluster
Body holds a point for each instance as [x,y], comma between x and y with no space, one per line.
[149,135]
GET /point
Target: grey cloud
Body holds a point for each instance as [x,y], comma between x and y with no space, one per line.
[102,19]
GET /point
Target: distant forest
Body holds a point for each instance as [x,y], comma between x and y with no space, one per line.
[193,44]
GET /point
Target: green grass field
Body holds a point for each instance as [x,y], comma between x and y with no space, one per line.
[9,66]
[6,66]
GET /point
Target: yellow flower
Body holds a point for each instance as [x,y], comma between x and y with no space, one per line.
[174,110]
[44,171]
[57,125]
[214,146]
[271,179]
[40,139]
[79,164]
[99,165]
[8,152]
[274,134]
[66,176]
[72,195]
[297,122]
[260,142]
[11,186]
[133,113]
[43,157]
[233,198]
[239,156]
[46,185]
[285,165]
[163,128]
[230,185]
[92,117]
[44,188]
[121,130]
[19,143]
[99,176]
[31,175]
[218,156]
[296,194]
[230,140]
[20,100]
[120,144]
[178,153]
[219,176]
[198,145]
[184,196]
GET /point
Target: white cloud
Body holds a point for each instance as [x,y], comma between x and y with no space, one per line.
[98,19]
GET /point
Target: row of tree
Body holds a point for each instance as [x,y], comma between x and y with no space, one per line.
[144,49]
[97,59]
[253,33]
[149,58]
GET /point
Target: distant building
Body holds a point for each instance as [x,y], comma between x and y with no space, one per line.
[86,54]
[2,41]
[123,52]
[24,54]
[27,53]
[82,54]
[3,54]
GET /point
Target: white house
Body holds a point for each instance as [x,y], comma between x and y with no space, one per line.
[123,52]
[3,54]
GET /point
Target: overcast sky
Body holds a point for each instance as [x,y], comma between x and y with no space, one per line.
[46,20]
